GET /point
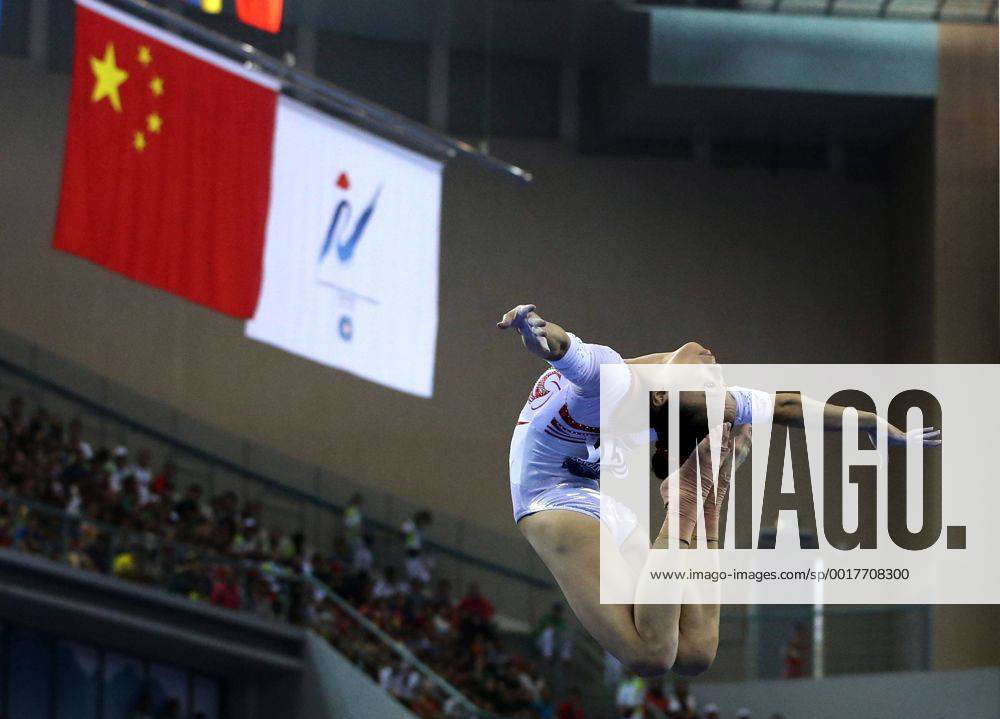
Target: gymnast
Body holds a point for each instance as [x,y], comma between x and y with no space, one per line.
[557,506]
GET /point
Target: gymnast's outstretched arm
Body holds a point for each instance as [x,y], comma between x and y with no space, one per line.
[540,337]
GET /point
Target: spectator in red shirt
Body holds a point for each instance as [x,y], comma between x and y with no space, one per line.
[225,592]
[571,707]
[475,614]
[795,654]
[163,483]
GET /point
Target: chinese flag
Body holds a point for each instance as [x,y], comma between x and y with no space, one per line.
[166,176]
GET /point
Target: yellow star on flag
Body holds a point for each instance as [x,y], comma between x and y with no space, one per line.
[108,78]
[154,122]
[145,56]
[156,85]
[139,143]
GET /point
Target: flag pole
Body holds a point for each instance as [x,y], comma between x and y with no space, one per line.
[336,100]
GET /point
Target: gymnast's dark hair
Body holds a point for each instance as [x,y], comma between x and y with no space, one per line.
[694,427]
[660,423]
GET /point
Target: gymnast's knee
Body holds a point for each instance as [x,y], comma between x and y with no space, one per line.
[651,660]
[694,660]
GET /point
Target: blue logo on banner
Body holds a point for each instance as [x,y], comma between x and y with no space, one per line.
[339,234]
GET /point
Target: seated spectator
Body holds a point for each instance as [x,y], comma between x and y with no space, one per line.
[656,702]
[14,420]
[795,653]
[248,543]
[191,581]
[75,441]
[417,566]
[630,697]
[118,469]
[225,591]
[189,510]
[387,586]
[531,683]
[162,485]
[354,521]
[143,474]
[543,708]
[553,637]
[614,670]
[386,675]
[474,614]
[571,707]
[687,703]
[78,555]
[363,558]
[76,470]
[124,565]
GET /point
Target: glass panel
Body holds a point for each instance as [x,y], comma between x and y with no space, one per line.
[123,695]
[168,689]
[206,698]
[76,695]
[30,674]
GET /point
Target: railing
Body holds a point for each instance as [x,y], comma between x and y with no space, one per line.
[834,640]
[325,95]
[145,558]
[461,707]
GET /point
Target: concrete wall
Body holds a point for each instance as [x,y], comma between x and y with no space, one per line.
[332,688]
[270,668]
[966,319]
[966,249]
[914,695]
[758,266]
[261,661]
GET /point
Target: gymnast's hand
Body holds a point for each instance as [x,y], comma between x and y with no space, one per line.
[928,436]
[545,339]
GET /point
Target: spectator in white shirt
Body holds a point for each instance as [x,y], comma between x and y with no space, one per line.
[143,474]
[119,470]
[363,558]
[386,586]
[417,567]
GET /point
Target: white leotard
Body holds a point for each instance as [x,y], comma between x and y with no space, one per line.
[561,419]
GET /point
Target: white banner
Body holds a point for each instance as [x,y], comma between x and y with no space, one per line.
[351,260]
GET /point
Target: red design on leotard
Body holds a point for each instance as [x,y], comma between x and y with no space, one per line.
[564,413]
[541,393]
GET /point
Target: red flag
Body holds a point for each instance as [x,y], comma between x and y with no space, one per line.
[166,176]
[263,14]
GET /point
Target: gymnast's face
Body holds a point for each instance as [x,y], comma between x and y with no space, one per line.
[696,354]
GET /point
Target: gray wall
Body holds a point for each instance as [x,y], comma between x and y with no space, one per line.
[914,695]
[332,688]
[260,660]
[758,266]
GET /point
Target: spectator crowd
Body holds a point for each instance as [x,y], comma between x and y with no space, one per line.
[109,510]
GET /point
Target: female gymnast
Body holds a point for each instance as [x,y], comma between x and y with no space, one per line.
[559,512]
